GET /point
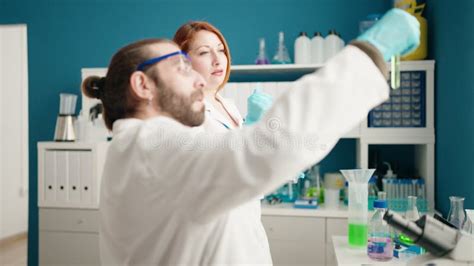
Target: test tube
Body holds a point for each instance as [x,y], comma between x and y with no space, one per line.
[421,183]
[395,72]
[389,188]
[397,189]
[413,187]
[405,188]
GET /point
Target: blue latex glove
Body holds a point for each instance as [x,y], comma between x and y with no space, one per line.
[397,33]
[257,104]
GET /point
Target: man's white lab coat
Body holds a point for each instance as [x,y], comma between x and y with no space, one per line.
[168,190]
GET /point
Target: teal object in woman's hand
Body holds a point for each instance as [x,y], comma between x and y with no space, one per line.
[257,104]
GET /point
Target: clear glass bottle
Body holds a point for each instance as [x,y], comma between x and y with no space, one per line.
[281,56]
[262,58]
[457,214]
[411,214]
[379,245]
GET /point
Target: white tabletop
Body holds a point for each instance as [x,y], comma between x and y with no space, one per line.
[347,255]
[287,209]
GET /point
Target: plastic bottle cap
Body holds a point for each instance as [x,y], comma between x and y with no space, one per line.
[382,204]
[333,31]
[317,34]
[303,33]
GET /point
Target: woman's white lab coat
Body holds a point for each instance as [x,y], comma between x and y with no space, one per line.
[169,191]
[215,122]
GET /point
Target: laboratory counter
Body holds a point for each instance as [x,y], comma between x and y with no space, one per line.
[287,209]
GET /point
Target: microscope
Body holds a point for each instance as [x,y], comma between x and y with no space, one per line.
[446,245]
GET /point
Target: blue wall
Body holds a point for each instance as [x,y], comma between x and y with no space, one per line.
[451,43]
[67,35]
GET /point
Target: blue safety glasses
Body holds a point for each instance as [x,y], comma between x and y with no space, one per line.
[155,60]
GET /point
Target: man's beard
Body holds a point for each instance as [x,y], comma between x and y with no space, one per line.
[180,107]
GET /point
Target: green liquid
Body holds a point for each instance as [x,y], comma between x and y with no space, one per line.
[405,240]
[395,72]
[358,235]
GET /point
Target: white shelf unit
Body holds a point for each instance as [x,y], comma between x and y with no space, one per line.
[423,138]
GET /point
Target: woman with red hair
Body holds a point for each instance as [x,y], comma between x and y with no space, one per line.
[210,57]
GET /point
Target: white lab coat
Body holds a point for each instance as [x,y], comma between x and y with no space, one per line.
[215,122]
[168,192]
[244,221]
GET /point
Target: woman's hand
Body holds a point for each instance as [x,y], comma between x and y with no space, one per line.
[257,104]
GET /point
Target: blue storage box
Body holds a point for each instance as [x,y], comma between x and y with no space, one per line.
[406,106]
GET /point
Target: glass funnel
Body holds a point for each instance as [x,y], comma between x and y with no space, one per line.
[358,204]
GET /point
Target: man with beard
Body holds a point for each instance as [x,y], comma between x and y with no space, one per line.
[167,189]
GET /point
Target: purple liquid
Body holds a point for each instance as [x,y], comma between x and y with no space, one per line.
[263,61]
[380,248]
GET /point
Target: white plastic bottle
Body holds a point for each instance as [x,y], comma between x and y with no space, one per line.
[331,45]
[317,49]
[341,42]
[302,49]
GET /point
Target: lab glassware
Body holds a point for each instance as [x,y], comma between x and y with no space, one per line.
[358,205]
[457,214]
[262,58]
[395,72]
[412,211]
[379,245]
[411,214]
[281,56]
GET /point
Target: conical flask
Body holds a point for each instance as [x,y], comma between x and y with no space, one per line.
[457,214]
[358,205]
[281,56]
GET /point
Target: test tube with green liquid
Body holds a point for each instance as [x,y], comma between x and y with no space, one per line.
[395,72]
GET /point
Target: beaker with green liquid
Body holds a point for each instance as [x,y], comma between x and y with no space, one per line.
[358,205]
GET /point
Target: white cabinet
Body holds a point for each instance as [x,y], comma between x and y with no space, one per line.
[296,240]
[303,240]
[69,177]
[68,237]
[334,227]
[69,174]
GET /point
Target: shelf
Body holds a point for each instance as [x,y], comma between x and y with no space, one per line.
[74,145]
[287,209]
[273,69]
[398,135]
[283,68]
